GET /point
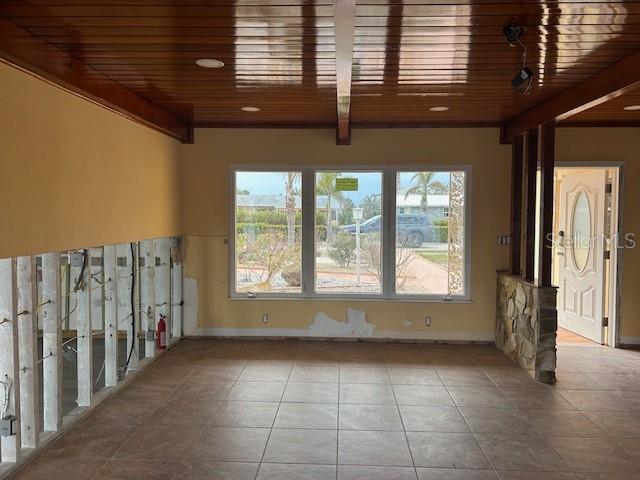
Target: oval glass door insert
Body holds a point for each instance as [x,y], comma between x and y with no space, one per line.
[581,234]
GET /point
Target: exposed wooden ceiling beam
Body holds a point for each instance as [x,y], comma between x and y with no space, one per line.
[345,20]
[21,48]
[613,81]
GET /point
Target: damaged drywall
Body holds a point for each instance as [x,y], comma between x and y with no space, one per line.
[191,305]
[355,326]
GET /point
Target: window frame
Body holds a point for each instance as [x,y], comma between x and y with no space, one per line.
[389,174]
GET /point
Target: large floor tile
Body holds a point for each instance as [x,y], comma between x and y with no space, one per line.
[302,446]
[353,472]
[617,424]
[455,474]
[229,444]
[373,448]
[217,471]
[432,419]
[350,374]
[257,391]
[414,376]
[428,395]
[159,442]
[521,452]
[245,414]
[563,423]
[311,373]
[447,450]
[307,415]
[480,397]
[138,470]
[260,373]
[367,394]
[370,417]
[280,471]
[600,455]
[496,420]
[311,392]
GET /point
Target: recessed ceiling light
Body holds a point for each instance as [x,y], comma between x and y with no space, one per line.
[209,63]
[632,108]
[250,109]
[439,109]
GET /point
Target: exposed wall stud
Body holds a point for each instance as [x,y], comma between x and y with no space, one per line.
[85,334]
[28,351]
[128,306]
[9,370]
[110,316]
[162,288]
[176,293]
[51,343]
[147,295]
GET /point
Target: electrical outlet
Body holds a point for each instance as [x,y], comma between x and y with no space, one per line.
[76,259]
[8,426]
[265,318]
[427,320]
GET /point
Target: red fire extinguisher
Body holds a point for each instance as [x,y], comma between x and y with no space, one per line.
[161,337]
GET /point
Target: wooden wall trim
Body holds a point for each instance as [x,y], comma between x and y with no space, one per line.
[530,172]
[613,81]
[547,166]
[20,48]
[516,205]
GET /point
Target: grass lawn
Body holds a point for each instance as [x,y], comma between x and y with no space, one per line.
[439,258]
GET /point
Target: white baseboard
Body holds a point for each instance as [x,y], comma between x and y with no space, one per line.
[381,335]
[629,341]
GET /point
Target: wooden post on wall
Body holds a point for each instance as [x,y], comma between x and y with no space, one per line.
[516,204]
[547,165]
[51,343]
[530,172]
[28,351]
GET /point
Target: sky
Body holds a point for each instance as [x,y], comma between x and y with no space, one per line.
[266,183]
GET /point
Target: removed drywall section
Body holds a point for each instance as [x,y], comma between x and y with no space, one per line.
[355,326]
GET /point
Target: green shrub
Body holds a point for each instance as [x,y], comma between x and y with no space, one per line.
[440,222]
[341,249]
[441,233]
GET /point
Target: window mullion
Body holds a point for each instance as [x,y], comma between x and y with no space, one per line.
[308,232]
[389,232]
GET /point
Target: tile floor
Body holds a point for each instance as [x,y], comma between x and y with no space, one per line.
[344,410]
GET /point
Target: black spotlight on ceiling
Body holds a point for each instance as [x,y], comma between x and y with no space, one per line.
[512,33]
[523,80]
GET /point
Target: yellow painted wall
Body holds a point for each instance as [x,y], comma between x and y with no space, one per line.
[206,166]
[614,145]
[75,174]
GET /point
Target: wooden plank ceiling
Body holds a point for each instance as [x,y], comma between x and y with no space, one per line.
[280,56]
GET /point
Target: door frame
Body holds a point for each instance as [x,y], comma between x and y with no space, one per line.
[613,289]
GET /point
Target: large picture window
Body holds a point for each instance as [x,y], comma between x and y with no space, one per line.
[268,232]
[385,233]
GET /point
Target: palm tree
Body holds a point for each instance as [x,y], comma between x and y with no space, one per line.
[421,182]
[290,205]
[326,185]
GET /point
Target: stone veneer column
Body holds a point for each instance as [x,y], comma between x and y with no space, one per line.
[526,325]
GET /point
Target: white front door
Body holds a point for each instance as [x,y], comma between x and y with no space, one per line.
[581,273]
